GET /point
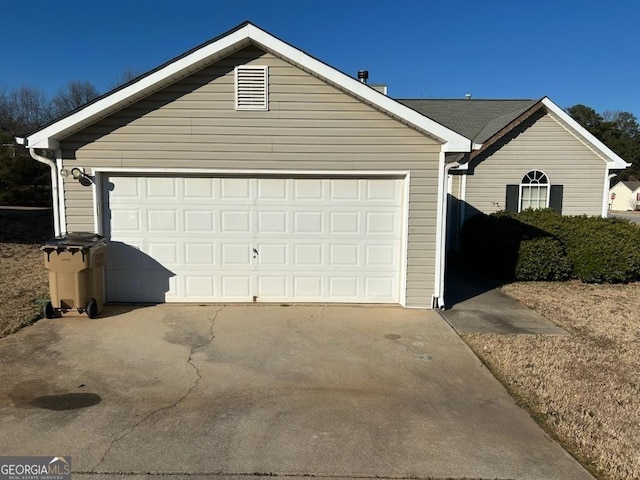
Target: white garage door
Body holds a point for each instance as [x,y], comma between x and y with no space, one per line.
[194,239]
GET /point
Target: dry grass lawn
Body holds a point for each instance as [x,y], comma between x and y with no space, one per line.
[23,279]
[584,388]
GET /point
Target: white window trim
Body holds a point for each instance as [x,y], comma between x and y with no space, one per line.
[548,185]
[263,106]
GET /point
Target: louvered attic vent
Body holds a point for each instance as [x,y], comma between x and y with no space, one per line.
[252,91]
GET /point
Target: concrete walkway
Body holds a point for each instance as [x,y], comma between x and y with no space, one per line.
[478,306]
[175,391]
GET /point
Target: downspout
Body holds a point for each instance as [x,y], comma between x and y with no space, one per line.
[441,231]
[54,187]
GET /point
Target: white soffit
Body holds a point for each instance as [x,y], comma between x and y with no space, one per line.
[48,136]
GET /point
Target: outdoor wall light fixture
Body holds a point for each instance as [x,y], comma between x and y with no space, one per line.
[84,179]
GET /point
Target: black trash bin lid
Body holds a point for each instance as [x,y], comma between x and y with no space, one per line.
[76,239]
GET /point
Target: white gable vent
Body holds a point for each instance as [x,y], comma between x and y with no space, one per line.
[252,92]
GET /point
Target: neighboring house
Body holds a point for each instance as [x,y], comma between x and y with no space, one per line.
[247,170]
[625,195]
[526,154]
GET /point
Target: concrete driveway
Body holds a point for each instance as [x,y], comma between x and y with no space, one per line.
[203,391]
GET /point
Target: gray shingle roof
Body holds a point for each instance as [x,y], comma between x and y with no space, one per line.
[632,184]
[476,119]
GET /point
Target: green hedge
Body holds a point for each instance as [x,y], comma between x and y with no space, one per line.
[542,258]
[543,245]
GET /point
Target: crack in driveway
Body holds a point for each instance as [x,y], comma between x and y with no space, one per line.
[193,350]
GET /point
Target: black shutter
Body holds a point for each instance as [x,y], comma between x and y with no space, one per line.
[555,198]
[513,194]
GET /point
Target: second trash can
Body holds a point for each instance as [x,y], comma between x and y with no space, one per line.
[76,273]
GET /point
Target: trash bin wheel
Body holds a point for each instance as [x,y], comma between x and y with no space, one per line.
[48,310]
[92,308]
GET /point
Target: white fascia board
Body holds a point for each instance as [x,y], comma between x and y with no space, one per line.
[451,141]
[46,137]
[614,162]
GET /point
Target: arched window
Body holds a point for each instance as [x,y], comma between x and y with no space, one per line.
[534,190]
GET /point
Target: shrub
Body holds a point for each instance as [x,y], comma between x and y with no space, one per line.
[542,258]
[543,245]
[603,250]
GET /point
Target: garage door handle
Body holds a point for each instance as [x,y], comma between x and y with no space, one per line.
[255,253]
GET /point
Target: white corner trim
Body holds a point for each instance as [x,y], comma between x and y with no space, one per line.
[405,240]
[614,162]
[48,136]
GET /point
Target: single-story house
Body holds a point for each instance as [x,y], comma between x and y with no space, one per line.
[625,195]
[248,170]
[527,154]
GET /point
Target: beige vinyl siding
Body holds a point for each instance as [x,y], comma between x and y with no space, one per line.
[310,125]
[541,144]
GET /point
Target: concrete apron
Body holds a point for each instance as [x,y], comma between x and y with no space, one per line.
[237,390]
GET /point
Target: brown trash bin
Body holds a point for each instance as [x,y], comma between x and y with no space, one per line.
[76,273]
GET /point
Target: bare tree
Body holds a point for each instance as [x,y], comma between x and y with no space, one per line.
[26,108]
[73,95]
[125,77]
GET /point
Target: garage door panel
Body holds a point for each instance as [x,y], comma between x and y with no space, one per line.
[236,189]
[379,287]
[308,190]
[162,220]
[165,253]
[383,191]
[200,188]
[162,188]
[278,239]
[236,287]
[200,254]
[273,255]
[236,221]
[273,189]
[308,254]
[272,221]
[307,222]
[344,190]
[199,220]
[236,255]
[126,189]
[344,223]
[273,287]
[345,254]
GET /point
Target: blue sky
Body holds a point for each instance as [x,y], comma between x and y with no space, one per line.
[574,51]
